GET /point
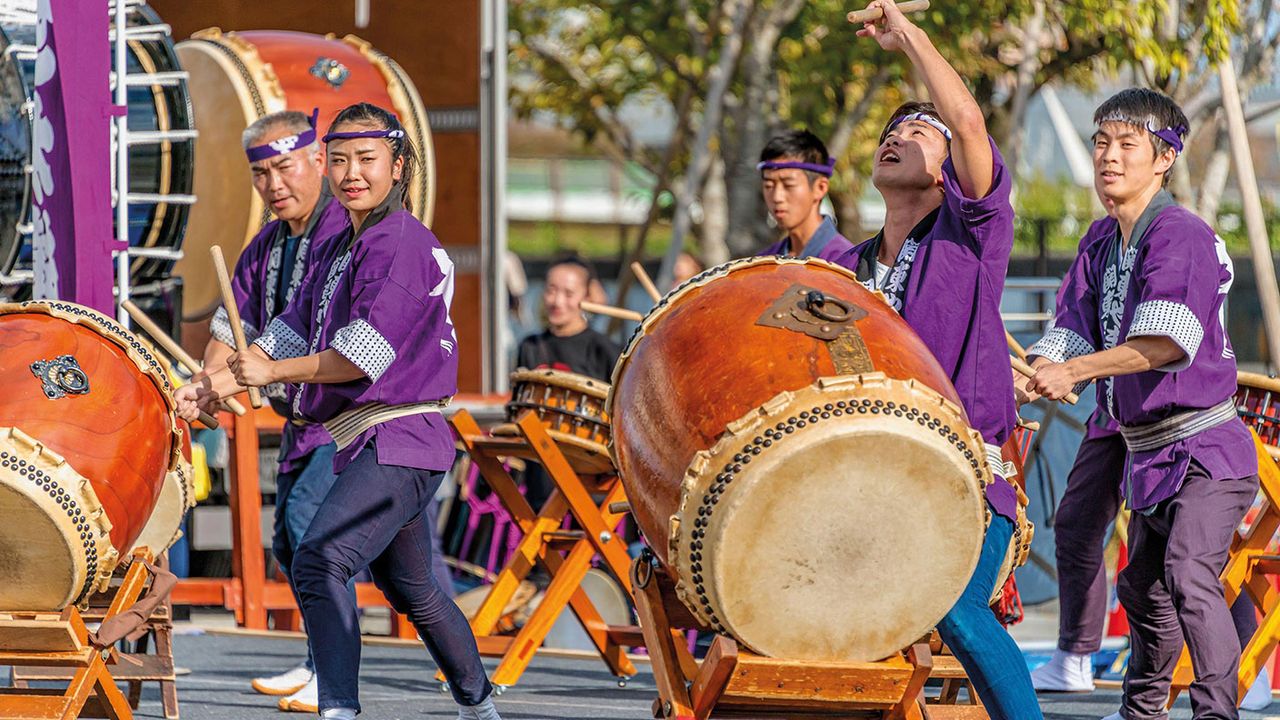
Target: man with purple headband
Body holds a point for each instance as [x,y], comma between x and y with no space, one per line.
[940,261]
[287,167]
[1141,311]
[795,171]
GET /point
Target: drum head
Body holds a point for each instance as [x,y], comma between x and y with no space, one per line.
[177,495]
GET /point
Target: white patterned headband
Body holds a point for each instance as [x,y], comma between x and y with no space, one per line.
[927,119]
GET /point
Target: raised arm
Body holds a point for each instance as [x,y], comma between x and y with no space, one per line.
[970,145]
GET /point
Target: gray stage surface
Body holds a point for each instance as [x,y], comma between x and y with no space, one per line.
[397,684]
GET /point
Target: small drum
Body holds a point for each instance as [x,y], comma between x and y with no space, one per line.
[88,437]
[572,406]
[160,169]
[238,77]
[1258,403]
[799,461]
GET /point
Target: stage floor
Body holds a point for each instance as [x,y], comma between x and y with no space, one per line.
[397,684]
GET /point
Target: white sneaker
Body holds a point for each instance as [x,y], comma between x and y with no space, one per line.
[339,714]
[484,711]
[1065,672]
[285,683]
[1259,695]
[1113,716]
[306,700]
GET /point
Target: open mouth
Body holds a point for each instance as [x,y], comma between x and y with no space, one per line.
[890,156]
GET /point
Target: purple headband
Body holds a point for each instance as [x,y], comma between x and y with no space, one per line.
[385,133]
[286,144]
[1171,135]
[824,170]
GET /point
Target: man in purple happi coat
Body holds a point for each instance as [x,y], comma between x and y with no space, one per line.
[795,173]
[940,260]
[1141,312]
[287,169]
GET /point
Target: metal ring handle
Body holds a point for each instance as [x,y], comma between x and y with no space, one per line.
[816,303]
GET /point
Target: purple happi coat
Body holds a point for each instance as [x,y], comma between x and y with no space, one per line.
[826,244]
[1171,281]
[381,298]
[258,274]
[947,284]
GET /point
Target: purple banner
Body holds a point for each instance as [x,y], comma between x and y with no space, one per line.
[71,154]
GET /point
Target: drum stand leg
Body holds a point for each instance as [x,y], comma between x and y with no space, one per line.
[1250,569]
[733,679]
[544,542]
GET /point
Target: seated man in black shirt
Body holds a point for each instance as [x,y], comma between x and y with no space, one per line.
[568,344]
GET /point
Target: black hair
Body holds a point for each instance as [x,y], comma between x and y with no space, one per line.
[800,145]
[376,118]
[910,107]
[575,260]
[1147,109]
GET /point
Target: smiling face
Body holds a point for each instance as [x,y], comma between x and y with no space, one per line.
[361,171]
[566,288]
[910,157]
[1125,163]
[791,197]
[289,184]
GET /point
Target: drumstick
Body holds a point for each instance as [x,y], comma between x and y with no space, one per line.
[1027,371]
[611,311]
[646,282]
[233,312]
[173,348]
[873,14]
[1015,346]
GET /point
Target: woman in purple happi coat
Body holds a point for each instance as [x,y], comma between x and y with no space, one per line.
[1141,312]
[940,260]
[370,341]
[795,173]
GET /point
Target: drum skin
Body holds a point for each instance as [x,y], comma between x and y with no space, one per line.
[714,367]
[238,77]
[799,461]
[121,435]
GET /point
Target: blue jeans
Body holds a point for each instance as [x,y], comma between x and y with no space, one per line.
[375,517]
[298,497]
[991,658]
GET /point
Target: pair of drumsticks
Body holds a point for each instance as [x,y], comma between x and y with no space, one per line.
[184,359]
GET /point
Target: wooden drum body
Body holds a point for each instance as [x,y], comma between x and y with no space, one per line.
[238,77]
[572,407]
[87,437]
[799,461]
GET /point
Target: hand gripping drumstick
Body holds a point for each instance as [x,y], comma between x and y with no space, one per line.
[872,14]
[172,348]
[1027,371]
[233,312]
[646,282]
[611,311]
[141,318]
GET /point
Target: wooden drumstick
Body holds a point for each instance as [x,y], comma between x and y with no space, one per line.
[872,14]
[1015,346]
[646,282]
[173,348]
[1027,371]
[233,312]
[611,311]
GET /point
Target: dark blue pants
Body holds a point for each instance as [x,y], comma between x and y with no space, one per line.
[374,517]
[991,658]
[298,497]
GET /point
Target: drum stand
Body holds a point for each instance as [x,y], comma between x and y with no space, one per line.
[136,667]
[567,555]
[60,639]
[732,680]
[1250,569]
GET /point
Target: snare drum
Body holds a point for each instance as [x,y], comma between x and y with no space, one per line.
[160,170]
[572,407]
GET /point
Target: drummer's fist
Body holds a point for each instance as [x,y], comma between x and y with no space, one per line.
[252,368]
[1054,381]
[191,399]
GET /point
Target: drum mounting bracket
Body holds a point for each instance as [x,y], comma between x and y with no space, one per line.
[60,377]
[812,312]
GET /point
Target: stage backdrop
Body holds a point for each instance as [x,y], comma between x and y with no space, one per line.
[441,45]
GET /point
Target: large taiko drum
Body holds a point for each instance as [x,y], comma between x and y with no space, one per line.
[799,461]
[238,77]
[160,155]
[87,438]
